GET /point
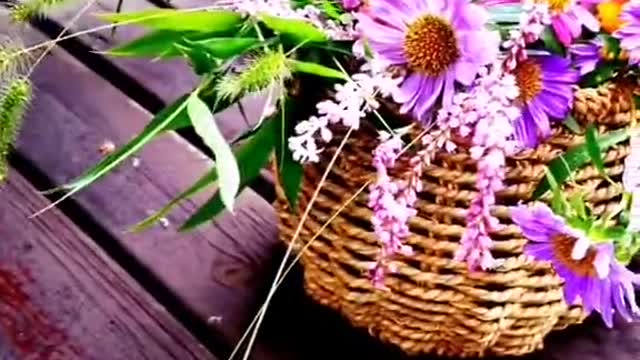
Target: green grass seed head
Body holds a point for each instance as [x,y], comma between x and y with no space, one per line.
[25,11]
[13,104]
[265,70]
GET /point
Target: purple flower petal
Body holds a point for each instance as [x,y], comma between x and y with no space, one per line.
[384,25]
[586,18]
[431,89]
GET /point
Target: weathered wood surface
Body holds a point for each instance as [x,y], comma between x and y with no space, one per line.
[74,112]
[297,328]
[61,297]
[166,80]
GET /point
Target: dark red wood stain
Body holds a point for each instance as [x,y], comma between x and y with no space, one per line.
[25,325]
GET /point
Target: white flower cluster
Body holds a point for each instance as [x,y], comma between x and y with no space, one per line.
[533,20]
[350,103]
[282,8]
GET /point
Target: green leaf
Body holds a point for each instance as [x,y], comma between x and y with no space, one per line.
[571,124]
[611,44]
[201,61]
[558,202]
[316,69]
[330,9]
[170,118]
[593,149]
[551,42]
[204,182]
[167,44]
[224,48]
[578,205]
[563,166]
[157,43]
[252,157]
[298,31]
[600,75]
[219,21]
[206,127]
[290,172]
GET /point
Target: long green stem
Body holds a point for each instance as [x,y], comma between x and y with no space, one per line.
[57,39]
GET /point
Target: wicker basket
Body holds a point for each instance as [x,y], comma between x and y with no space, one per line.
[435,305]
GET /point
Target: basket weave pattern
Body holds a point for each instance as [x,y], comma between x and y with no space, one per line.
[435,305]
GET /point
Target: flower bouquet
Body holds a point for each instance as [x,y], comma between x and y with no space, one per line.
[459,177]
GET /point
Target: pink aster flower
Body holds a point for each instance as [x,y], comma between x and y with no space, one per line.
[629,34]
[569,16]
[546,92]
[439,42]
[592,276]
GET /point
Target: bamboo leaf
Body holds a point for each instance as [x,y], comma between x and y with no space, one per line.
[563,166]
[299,31]
[178,20]
[316,69]
[157,43]
[593,149]
[224,48]
[204,182]
[206,127]
[170,118]
[290,172]
[252,157]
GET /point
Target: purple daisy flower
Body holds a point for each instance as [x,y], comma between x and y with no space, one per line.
[568,17]
[586,55]
[592,276]
[545,83]
[629,34]
[439,42]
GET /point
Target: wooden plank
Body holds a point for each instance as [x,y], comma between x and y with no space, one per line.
[166,80]
[73,113]
[297,328]
[61,297]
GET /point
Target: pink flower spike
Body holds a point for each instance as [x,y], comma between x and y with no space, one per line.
[351,4]
[392,202]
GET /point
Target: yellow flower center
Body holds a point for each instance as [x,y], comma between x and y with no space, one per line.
[609,15]
[557,6]
[562,246]
[529,80]
[430,45]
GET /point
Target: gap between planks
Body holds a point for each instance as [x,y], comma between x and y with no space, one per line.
[152,84]
[319,325]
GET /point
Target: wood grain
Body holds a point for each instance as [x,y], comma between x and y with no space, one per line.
[241,257]
[61,297]
[167,79]
[74,112]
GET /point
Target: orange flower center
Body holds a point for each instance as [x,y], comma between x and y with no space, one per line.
[529,79]
[430,45]
[557,6]
[562,245]
[609,15]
